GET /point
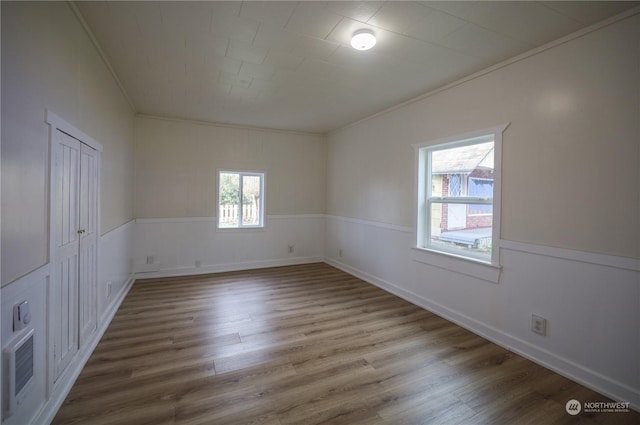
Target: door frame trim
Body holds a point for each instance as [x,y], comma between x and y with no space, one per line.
[56,123]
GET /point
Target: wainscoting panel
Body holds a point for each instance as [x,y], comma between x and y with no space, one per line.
[194,245]
[33,288]
[591,301]
[116,265]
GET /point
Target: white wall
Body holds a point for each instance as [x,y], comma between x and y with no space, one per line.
[176,176]
[570,205]
[176,165]
[176,244]
[49,63]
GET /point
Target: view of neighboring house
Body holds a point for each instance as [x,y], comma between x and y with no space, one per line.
[465,171]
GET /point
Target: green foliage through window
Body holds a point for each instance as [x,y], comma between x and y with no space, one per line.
[240,199]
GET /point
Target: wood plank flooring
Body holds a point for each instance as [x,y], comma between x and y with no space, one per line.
[305,345]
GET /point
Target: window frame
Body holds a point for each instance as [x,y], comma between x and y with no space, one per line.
[262,205]
[450,259]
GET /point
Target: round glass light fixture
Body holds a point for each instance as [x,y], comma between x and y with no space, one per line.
[363,39]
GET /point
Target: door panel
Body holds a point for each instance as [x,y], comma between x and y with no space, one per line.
[88,243]
[65,258]
[66,317]
[68,196]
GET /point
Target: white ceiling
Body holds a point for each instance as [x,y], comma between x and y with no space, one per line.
[289,65]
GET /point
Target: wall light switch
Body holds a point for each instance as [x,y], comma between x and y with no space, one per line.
[21,316]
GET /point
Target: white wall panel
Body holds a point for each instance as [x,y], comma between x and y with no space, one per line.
[177,163]
[33,288]
[116,266]
[177,243]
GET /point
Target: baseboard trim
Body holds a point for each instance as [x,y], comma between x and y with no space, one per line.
[66,381]
[567,368]
[229,267]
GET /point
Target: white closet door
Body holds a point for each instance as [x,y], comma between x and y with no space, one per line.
[75,244]
[88,274]
[65,256]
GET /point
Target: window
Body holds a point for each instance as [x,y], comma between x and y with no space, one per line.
[458,195]
[240,199]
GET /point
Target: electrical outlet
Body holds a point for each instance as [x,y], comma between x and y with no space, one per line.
[340,253]
[109,283]
[538,324]
[290,247]
[198,263]
[150,259]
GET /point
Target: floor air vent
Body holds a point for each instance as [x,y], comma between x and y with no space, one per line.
[19,360]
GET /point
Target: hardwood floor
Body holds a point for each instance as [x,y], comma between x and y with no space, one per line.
[305,345]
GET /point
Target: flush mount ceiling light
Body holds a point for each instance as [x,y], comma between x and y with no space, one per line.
[363,39]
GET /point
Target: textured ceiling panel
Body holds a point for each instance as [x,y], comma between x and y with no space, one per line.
[289,65]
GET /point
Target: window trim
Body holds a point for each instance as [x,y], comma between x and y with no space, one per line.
[263,205]
[423,184]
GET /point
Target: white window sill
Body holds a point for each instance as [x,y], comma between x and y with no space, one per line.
[457,264]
